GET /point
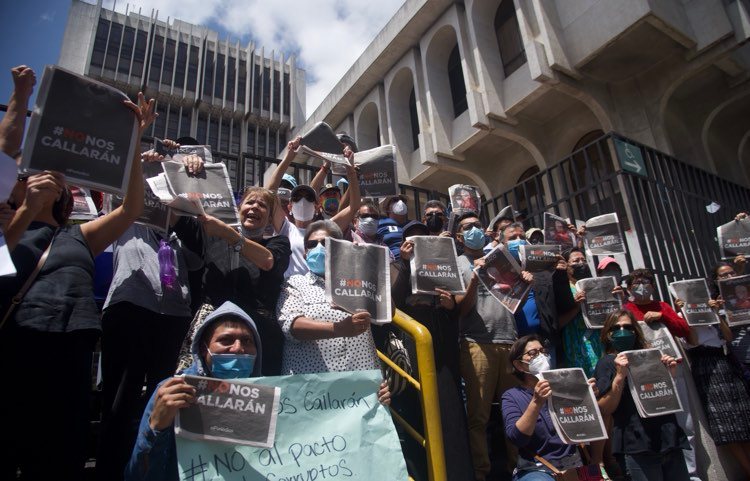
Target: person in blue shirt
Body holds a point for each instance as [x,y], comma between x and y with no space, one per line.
[391,227]
[226,346]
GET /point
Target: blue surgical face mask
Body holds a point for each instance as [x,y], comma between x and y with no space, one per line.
[513,246]
[474,238]
[316,260]
[231,366]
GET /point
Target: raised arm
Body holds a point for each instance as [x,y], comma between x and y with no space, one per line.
[344,218]
[250,250]
[609,402]
[291,152]
[14,121]
[320,176]
[101,232]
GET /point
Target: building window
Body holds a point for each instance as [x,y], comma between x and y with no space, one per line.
[169,54]
[527,193]
[185,122]
[213,134]
[202,129]
[242,82]
[139,55]
[414,120]
[234,145]
[179,69]
[277,92]
[157,52]
[225,128]
[271,143]
[160,124]
[128,39]
[282,139]
[509,37]
[456,80]
[231,74]
[250,138]
[113,47]
[266,88]
[193,69]
[219,82]
[262,141]
[287,94]
[208,74]
[100,43]
[173,122]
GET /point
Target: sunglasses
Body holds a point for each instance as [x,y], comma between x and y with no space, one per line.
[369,216]
[627,327]
[468,226]
[311,244]
[532,353]
[308,198]
[434,214]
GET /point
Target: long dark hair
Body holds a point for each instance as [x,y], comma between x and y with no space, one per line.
[640,341]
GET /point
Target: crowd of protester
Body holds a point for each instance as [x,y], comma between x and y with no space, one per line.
[250,301]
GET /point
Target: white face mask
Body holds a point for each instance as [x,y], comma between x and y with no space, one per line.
[399,207]
[303,210]
[539,364]
[368,226]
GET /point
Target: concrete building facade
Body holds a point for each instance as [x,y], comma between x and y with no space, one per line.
[490,92]
[237,99]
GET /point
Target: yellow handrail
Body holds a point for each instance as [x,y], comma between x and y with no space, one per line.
[427,387]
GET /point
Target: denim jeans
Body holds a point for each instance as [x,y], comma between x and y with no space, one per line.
[657,467]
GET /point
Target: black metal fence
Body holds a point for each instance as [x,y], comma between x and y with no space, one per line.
[660,201]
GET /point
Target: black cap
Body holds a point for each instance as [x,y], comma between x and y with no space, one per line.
[414,225]
[304,189]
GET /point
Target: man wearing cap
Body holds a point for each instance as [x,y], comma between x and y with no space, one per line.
[498,223]
[391,228]
[434,217]
[329,198]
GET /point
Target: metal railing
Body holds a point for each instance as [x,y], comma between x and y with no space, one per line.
[426,386]
[660,201]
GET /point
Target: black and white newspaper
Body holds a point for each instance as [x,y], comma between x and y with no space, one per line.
[434,266]
[734,238]
[651,384]
[230,411]
[600,302]
[556,231]
[539,257]
[155,212]
[83,205]
[736,294]
[465,197]
[501,276]
[202,151]
[694,293]
[80,127]
[358,277]
[378,173]
[321,138]
[603,236]
[657,336]
[573,407]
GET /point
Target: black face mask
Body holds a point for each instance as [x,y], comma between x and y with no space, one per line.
[434,224]
[581,271]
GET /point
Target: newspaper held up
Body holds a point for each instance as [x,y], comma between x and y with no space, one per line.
[600,302]
[736,294]
[378,173]
[734,238]
[434,266]
[66,132]
[573,407]
[556,231]
[230,411]
[603,236]
[358,278]
[202,151]
[501,276]
[539,257]
[651,384]
[465,197]
[694,293]
[657,336]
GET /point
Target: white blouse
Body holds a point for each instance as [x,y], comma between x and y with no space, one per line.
[304,296]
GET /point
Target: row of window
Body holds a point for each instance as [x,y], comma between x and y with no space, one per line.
[123,50]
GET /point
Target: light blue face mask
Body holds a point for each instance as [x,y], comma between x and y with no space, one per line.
[513,246]
[231,366]
[316,260]
[474,238]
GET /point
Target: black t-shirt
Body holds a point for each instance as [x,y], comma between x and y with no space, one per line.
[61,299]
[631,433]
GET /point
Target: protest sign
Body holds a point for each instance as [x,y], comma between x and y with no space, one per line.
[600,302]
[202,151]
[330,426]
[230,411]
[734,238]
[434,265]
[501,276]
[466,197]
[322,139]
[210,188]
[325,156]
[539,258]
[556,231]
[83,206]
[736,294]
[81,128]
[603,236]
[651,384]
[378,174]
[658,336]
[358,277]
[573,407]
[694,293]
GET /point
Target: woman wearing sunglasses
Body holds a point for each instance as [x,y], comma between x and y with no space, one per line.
[652,447]
[528,424]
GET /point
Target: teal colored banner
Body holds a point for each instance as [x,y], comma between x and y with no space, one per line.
[330,427]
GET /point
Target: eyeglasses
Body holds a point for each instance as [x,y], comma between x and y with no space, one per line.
[311,244]
[532,353]
[726,275]
[369,216]
[643,282]
[468,226]
[433,214]
[627,327]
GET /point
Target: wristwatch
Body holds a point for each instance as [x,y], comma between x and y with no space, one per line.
[237,246]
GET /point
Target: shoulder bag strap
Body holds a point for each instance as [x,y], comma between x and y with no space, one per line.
[16,300]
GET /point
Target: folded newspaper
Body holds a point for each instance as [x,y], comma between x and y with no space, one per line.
[573,407]
[603,236]
[651,384]
[694,293]
[434,265]
[657,335]
[600,302]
